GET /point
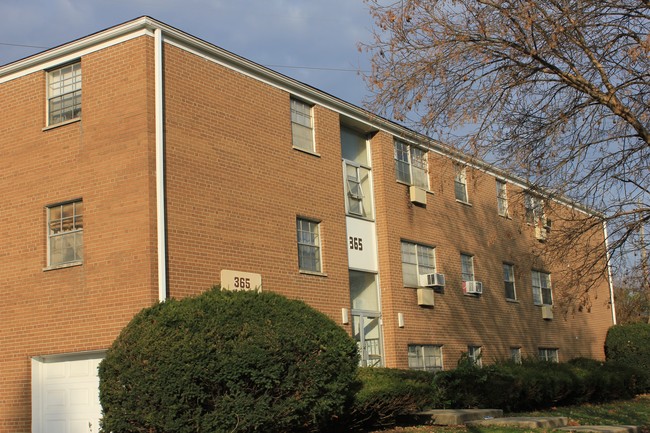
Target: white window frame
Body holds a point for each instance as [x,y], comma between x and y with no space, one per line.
[502,197]
[414,256]
[411,164]
[515,355]
[460,183]
[64,91]
[358,197]
[549,354]
[542,288]
[534,209]
[65,226]
[302,125]
[309,245]
[467,267]
[475,355]
[425,357]
[509,278]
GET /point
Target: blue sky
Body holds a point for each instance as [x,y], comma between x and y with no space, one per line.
[314,41]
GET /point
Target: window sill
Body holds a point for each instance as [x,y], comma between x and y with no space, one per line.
[512,301]
[401,182]
[67,122]
[506,217]
[308,152]
[62,266]
[466,203]
[312,273]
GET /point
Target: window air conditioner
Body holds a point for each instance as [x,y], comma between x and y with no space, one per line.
[473,287]
[432,280]
[547,312]
[425,297]
[541,233]
[418,195]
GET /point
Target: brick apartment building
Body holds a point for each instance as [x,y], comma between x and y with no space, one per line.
[141,163]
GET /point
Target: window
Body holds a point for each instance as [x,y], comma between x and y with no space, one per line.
[474,355]
[515,355]
[502,198]
[308,245]
[460,183]
[416,260]
[64,93]
[542,294]
[467,267]
[411,165]
[65,233]
[550,355]
[534,209]
[302,127]
[425,357]
[509,281]
[358,183]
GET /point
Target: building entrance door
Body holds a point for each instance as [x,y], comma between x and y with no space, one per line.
[367,333]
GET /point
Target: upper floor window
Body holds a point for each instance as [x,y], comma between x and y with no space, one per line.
[356,169]
[549,355]
[509,281]
[425,357]
[65,233]
[467,267]
[502,198]
[64,93]
[460,183]
[302,125]
[411,165]
[542,293]
[308,234]
[416,260]
[534,209]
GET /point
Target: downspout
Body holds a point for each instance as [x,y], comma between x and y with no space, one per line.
[609,274]
[161,216]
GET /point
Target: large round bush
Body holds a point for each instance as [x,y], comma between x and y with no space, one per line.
[228,362]
[629,344]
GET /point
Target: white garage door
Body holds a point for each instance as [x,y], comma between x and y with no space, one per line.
[65,395]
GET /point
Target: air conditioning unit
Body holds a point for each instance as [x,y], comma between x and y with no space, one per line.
[425,297]
[547,312]
[432,280]
[418,195]
[473,287]
[541,233]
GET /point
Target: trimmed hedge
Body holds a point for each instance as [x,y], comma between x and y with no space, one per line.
[534,384]
[629,344]
[228,361]
[386,394]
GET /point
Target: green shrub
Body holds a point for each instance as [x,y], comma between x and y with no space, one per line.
[386,394]
[228,361]
[629,344]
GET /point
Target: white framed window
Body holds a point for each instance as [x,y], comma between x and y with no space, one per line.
[308,234]
[65,233]
[509,281]
[534,207]
[416,260]
[357,173]
[542,292]
[460,183]
[411,165]
[467,267]
[426,357]
[515,355]
[502,198]
[302,125]
[64,93]
[474,354]
[548,354]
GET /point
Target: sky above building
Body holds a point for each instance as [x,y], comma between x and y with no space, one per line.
[313,41]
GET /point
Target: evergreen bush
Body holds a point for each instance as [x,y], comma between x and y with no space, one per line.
[228,361]
[629,344]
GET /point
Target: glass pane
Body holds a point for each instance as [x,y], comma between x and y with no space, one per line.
[354,146]
[363,291]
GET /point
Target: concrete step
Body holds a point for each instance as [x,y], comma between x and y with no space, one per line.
[452,416]
[524,421]
[601,428]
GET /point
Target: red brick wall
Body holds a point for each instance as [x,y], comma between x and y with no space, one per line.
[105,159]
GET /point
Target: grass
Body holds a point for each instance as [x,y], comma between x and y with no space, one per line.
[623,412]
